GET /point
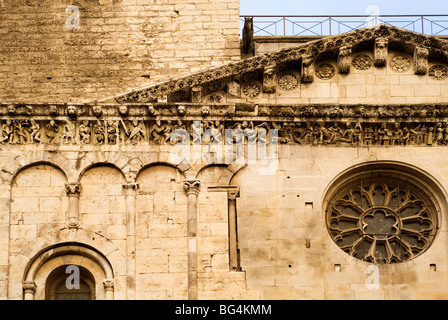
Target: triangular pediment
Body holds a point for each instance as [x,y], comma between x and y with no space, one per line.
[245,80]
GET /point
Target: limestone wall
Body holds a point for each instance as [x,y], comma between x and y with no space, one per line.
[119,45]
[285,246]
[285,249]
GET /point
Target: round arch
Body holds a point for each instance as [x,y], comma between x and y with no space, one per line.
[58,161]
[51,258]
[98,165]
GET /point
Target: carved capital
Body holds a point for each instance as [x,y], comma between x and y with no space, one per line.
[29,287]
[345,59]
[131,186]
[233,193]
[73,189]
[192,186]
[421,60]
[108,285]
[380,52]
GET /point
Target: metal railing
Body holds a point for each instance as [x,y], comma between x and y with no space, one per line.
[264,25]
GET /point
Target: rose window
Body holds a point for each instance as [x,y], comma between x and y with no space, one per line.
[382,222]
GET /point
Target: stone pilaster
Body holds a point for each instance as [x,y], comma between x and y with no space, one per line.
[192,188]
[233,234]
[130,190]
[109,289]
[73,192]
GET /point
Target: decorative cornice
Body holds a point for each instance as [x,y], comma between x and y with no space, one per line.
[382,35]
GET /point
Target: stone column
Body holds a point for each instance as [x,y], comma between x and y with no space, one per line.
[130,189]
[191,188]
[233,235]
[109,289]
[29,289]
[73,192]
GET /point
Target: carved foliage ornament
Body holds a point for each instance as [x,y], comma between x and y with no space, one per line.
[382,221]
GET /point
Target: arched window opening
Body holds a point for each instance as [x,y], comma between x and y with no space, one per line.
[70,282]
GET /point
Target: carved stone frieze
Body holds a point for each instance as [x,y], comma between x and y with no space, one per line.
[349,125]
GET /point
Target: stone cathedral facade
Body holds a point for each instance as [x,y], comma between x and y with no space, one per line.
[147,148]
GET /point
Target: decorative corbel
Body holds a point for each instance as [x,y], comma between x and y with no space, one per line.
[269,80]
[196,94]
[307,69]
[421,60]
[234,89]
[72,111]
[97,111]
[380,52]
[345,59]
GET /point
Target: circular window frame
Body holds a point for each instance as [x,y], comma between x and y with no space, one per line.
[423,184]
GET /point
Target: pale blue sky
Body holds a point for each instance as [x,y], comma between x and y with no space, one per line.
[340,7]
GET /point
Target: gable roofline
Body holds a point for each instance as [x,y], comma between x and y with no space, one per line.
[423,47]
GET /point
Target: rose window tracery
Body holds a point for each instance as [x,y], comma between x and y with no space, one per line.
[382,221]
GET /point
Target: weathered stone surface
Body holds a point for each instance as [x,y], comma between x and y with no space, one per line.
[137,189]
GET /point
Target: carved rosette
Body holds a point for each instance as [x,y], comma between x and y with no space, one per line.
[325,71]
[400,63]
[362,62]
[288,81]
[251,89]
[438,72]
